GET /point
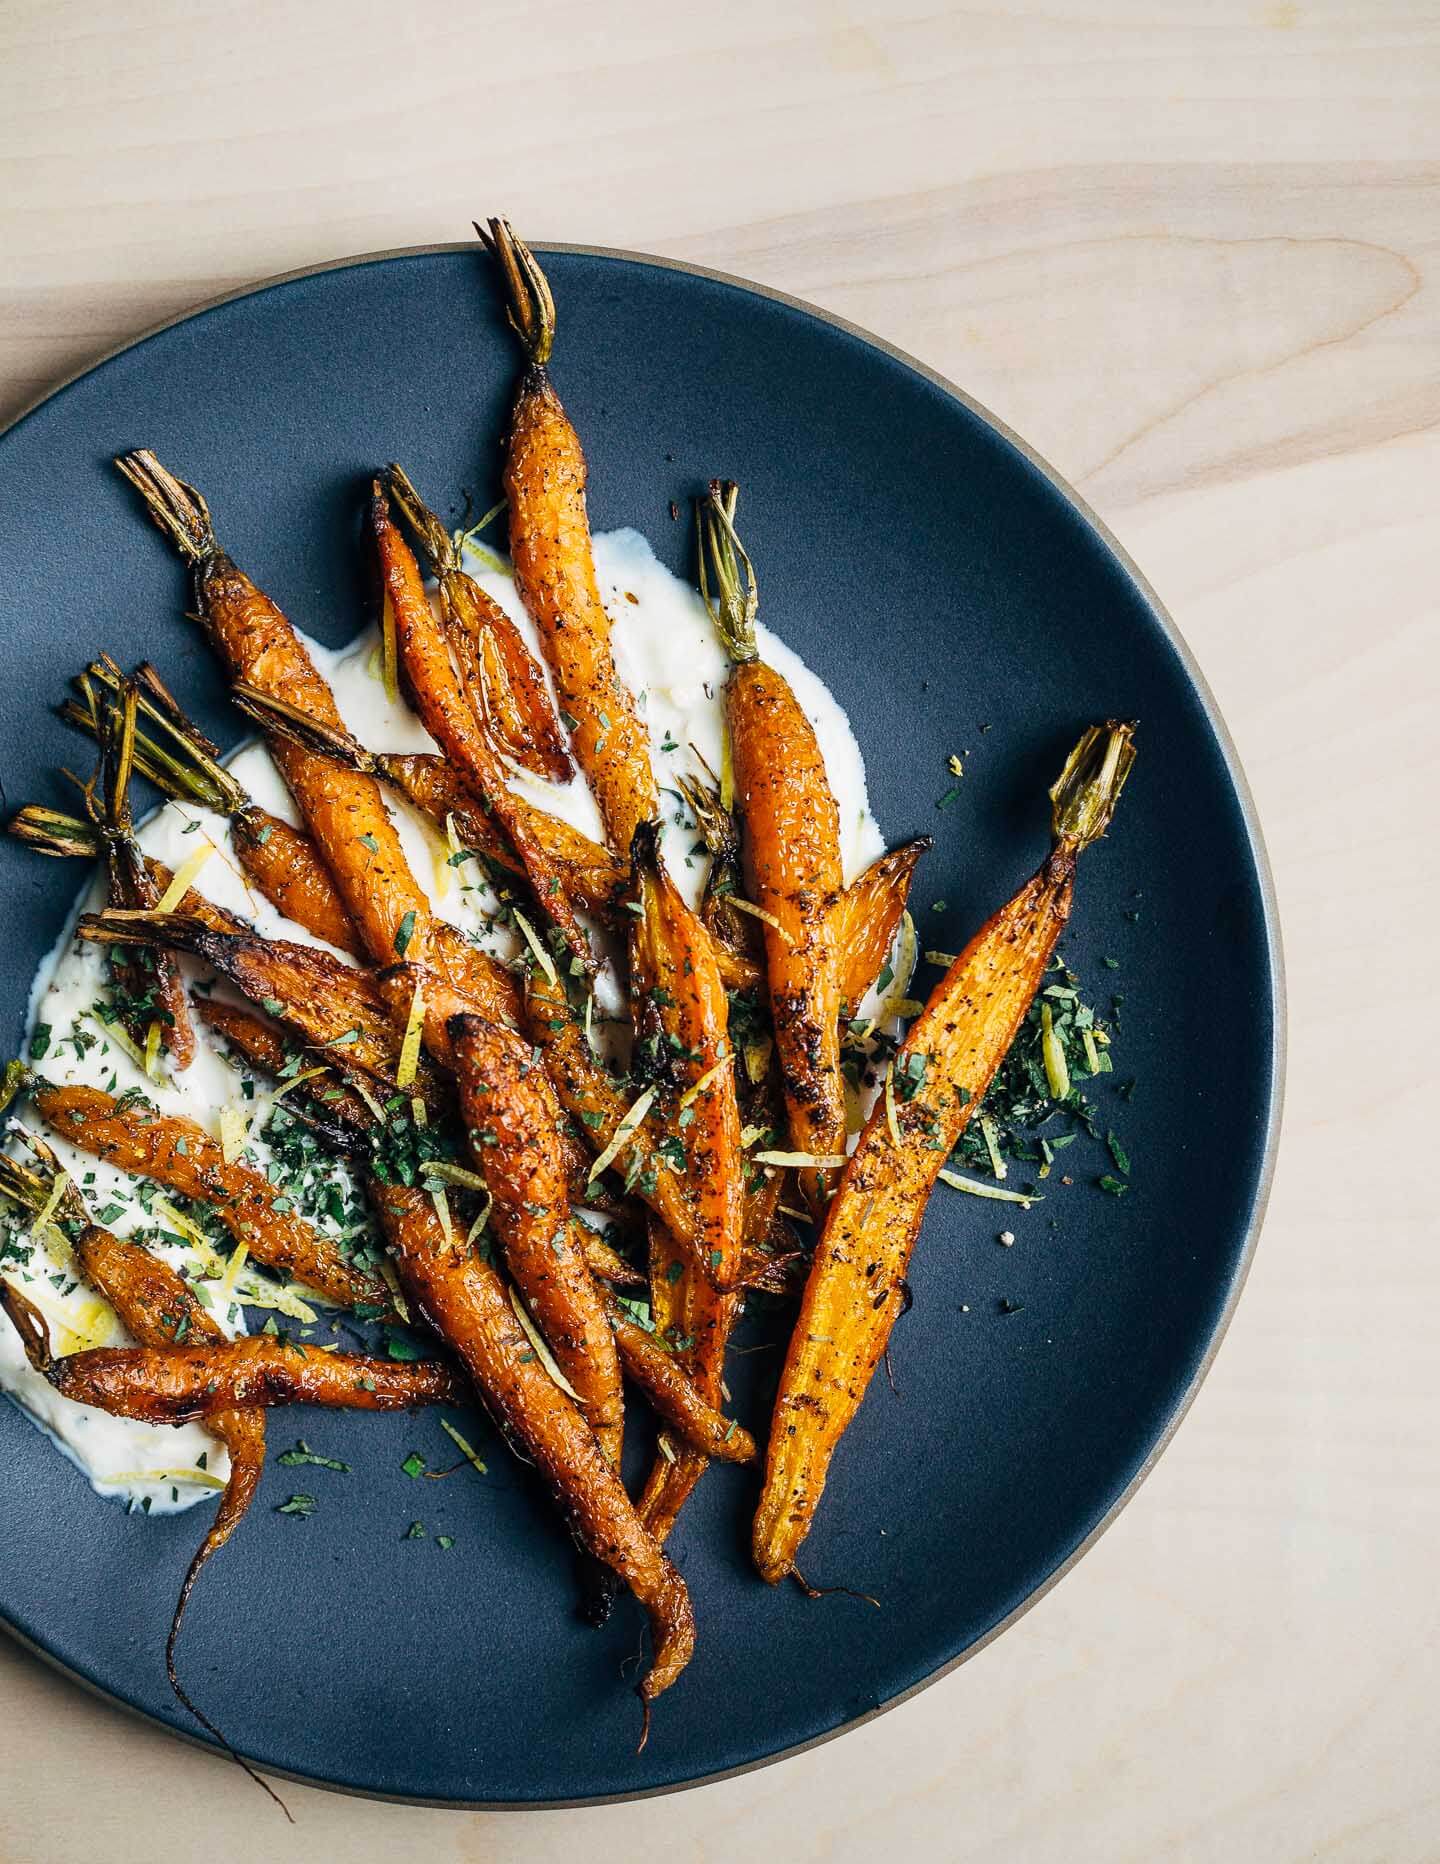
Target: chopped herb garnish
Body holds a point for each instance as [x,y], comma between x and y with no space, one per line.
[404,932]
[303,1454]
[303,1505]
[414,1464]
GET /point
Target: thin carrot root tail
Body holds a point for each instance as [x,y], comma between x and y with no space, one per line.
[173,754]
[436,544]
[29,1323]
[529,305]
[1084,795]
[828,1592]
[179,509]
[289,722]
[189,1705]
[52,832]
[727,576]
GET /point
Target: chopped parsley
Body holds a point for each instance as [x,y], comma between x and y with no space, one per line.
[302,1454]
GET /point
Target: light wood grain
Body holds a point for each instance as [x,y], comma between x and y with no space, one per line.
[1189,250]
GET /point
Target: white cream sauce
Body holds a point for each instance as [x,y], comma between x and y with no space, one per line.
[668,652]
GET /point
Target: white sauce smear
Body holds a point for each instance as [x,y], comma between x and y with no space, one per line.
[669,654]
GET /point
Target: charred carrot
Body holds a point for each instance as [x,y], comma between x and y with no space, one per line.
[674,1396]
[791,847]
[867,916]
[336,1008]
[680,1014]
[343,810]
[855,1289]
[179,1154]
[463,1298]
[550,546]
[157,1307]
[506,689]
[178,1384]
[281,862]
[446,713]
[343,1116]
[613,1119]
[592,876]
[509,1113]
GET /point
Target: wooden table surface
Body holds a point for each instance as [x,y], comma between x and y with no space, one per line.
[1188,248]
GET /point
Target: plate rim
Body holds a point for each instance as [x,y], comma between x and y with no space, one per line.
[1270,913]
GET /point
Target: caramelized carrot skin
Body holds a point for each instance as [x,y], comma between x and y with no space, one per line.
[499,669]
[675,1397]
[674,977]
[159,1308]
[590,1095]
[182,1156]
[177,1384]
[545,476]
[447,714]
[867,917]
[686,1308]
[263,1047]
[464,1300]
[793,871]
[284,865]
[343,809]
[855,1290]
[510,1115]
[592,876]
[332,1005]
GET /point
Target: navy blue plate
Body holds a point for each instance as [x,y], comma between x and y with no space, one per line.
[957,598]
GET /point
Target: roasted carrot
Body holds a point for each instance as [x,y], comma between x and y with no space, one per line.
[336,1008]
[463,1298]
[734,934]
[182,1156]
[592,876]
[281,862]
[342,1115]
[791,848]
[680,1015]
[602,1109]
[178,1384]
[506,689]
[509,1113]
[435,691]
[343,810]
[550,546]
[855,1290]
[157,1307]
[699,1319]
[675,1397]
[868,914]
